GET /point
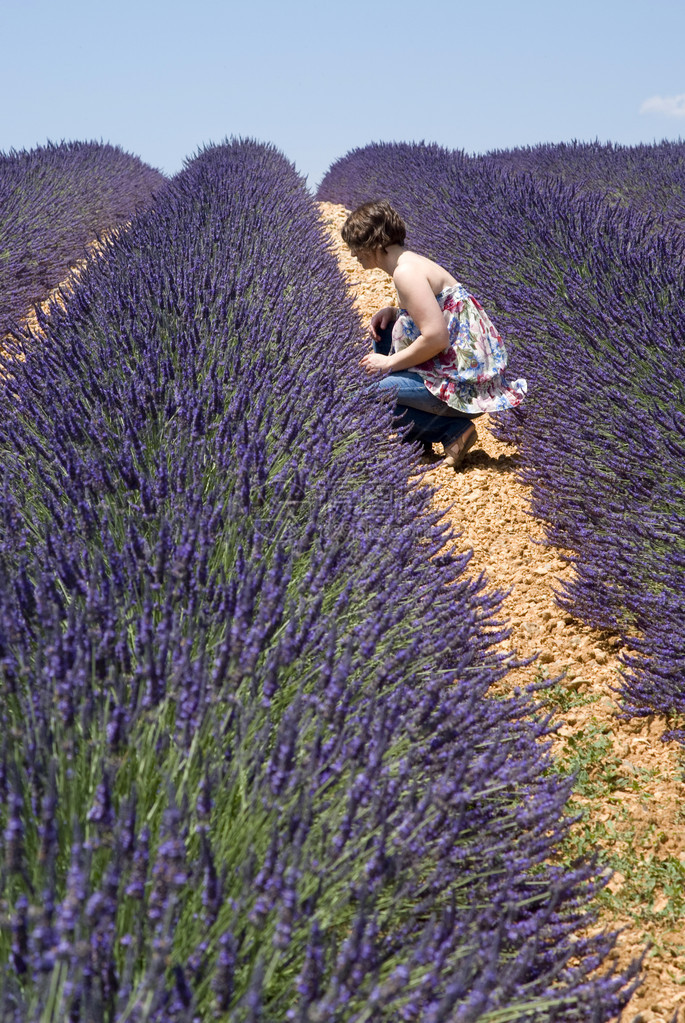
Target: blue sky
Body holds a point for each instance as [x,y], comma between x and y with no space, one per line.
[318,79]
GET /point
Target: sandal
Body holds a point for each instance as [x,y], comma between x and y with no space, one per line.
[456,449]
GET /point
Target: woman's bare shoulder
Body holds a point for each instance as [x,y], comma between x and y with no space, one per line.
[410,258]
[412,264]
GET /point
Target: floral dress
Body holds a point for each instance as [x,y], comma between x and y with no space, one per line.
[470,375]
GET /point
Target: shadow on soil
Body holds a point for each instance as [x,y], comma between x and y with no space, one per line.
[479,459]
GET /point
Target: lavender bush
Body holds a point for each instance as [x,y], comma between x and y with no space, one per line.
[650,178]
[590,302]
[249,766]
[53,201]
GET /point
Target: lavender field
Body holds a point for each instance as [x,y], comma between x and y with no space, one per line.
[648,178]
[590,293]
[53,201]
[251,762]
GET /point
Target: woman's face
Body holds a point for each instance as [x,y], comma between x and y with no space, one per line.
[367,258]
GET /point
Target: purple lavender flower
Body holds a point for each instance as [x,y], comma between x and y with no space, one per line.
[564,244]
[307,804]
[45,230]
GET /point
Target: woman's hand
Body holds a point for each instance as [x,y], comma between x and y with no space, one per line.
[381,319]
[375,363]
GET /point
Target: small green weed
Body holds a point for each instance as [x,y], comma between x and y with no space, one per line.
[646,886]
[600,773]
[562,697]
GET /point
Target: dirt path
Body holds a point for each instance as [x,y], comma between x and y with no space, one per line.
[93,248]
[630,782]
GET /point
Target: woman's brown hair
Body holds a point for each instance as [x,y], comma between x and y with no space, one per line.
[373,225]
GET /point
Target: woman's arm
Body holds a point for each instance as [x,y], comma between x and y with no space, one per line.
[417,352]
[382,319]
[416,296]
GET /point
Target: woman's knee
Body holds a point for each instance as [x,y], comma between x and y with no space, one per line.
[387,385]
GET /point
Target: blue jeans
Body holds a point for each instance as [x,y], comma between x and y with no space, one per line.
[427,418]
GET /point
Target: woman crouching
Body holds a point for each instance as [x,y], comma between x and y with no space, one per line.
[439,352]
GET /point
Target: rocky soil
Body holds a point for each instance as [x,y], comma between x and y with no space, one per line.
[629,781]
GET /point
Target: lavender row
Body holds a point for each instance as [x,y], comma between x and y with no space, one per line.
[248,764]
[650,178]
[53,201]
[590,302]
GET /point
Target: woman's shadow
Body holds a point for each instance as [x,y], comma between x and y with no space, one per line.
[477,458]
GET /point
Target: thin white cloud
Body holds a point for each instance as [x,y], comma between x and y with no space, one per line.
[667,106]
